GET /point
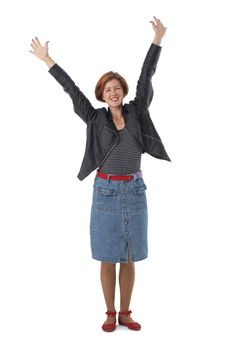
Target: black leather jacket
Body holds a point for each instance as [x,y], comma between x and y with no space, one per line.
[102,134]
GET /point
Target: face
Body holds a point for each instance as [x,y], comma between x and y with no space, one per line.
[113,93]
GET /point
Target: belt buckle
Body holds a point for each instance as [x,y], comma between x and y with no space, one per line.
[109,177]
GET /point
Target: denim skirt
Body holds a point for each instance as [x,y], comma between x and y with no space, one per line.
[118,225]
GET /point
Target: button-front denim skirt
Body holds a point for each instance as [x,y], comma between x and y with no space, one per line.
[118,227]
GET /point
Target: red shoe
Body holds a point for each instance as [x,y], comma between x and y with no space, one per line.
[134,326]
[110,327]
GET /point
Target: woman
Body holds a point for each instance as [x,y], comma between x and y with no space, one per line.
[116,139]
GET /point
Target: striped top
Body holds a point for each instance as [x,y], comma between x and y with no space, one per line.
[125,158]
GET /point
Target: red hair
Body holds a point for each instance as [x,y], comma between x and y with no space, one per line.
[99,89]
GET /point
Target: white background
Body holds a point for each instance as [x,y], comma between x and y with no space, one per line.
[50,295]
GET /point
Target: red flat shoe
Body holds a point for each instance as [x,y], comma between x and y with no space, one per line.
[110,327]
[134,326]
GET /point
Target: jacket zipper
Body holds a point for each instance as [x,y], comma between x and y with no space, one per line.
[112,146]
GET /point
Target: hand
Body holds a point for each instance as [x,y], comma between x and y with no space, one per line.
[159,30]
[41,52]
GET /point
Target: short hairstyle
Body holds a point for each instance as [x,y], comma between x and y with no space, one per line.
[99,89]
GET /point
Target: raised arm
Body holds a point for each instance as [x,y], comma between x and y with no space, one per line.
[144,91]
[82,105]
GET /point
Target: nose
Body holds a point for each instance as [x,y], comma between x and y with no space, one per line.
[113,92]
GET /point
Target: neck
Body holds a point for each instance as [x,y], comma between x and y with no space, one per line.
[116,112]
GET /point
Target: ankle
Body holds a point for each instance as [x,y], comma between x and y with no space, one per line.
[111,313]
[125,312]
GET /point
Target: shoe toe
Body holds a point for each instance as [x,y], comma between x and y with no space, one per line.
[134,326]
[109,327]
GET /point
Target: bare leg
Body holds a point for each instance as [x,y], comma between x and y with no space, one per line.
[108,281]
[126,281]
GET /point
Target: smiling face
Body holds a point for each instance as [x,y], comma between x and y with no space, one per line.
[113,93]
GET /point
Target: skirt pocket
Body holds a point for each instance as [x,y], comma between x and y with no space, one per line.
[139,201]
[106,199]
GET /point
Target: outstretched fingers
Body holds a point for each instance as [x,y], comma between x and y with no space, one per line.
[34,45]
[37,41]
[158,26]
[39,50]
[156,19]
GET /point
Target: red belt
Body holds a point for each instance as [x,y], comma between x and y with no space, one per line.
[114,177]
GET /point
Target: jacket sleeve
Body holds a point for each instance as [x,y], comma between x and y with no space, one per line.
[82,105]
[144,91]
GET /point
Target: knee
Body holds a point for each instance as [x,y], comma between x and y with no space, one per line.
[108,267]
[127,266]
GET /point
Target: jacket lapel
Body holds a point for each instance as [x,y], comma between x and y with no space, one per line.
[132,124]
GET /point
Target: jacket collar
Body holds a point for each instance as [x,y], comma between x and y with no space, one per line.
[129,121]
[110,122]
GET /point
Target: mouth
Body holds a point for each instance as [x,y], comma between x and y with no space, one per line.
[114,99]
